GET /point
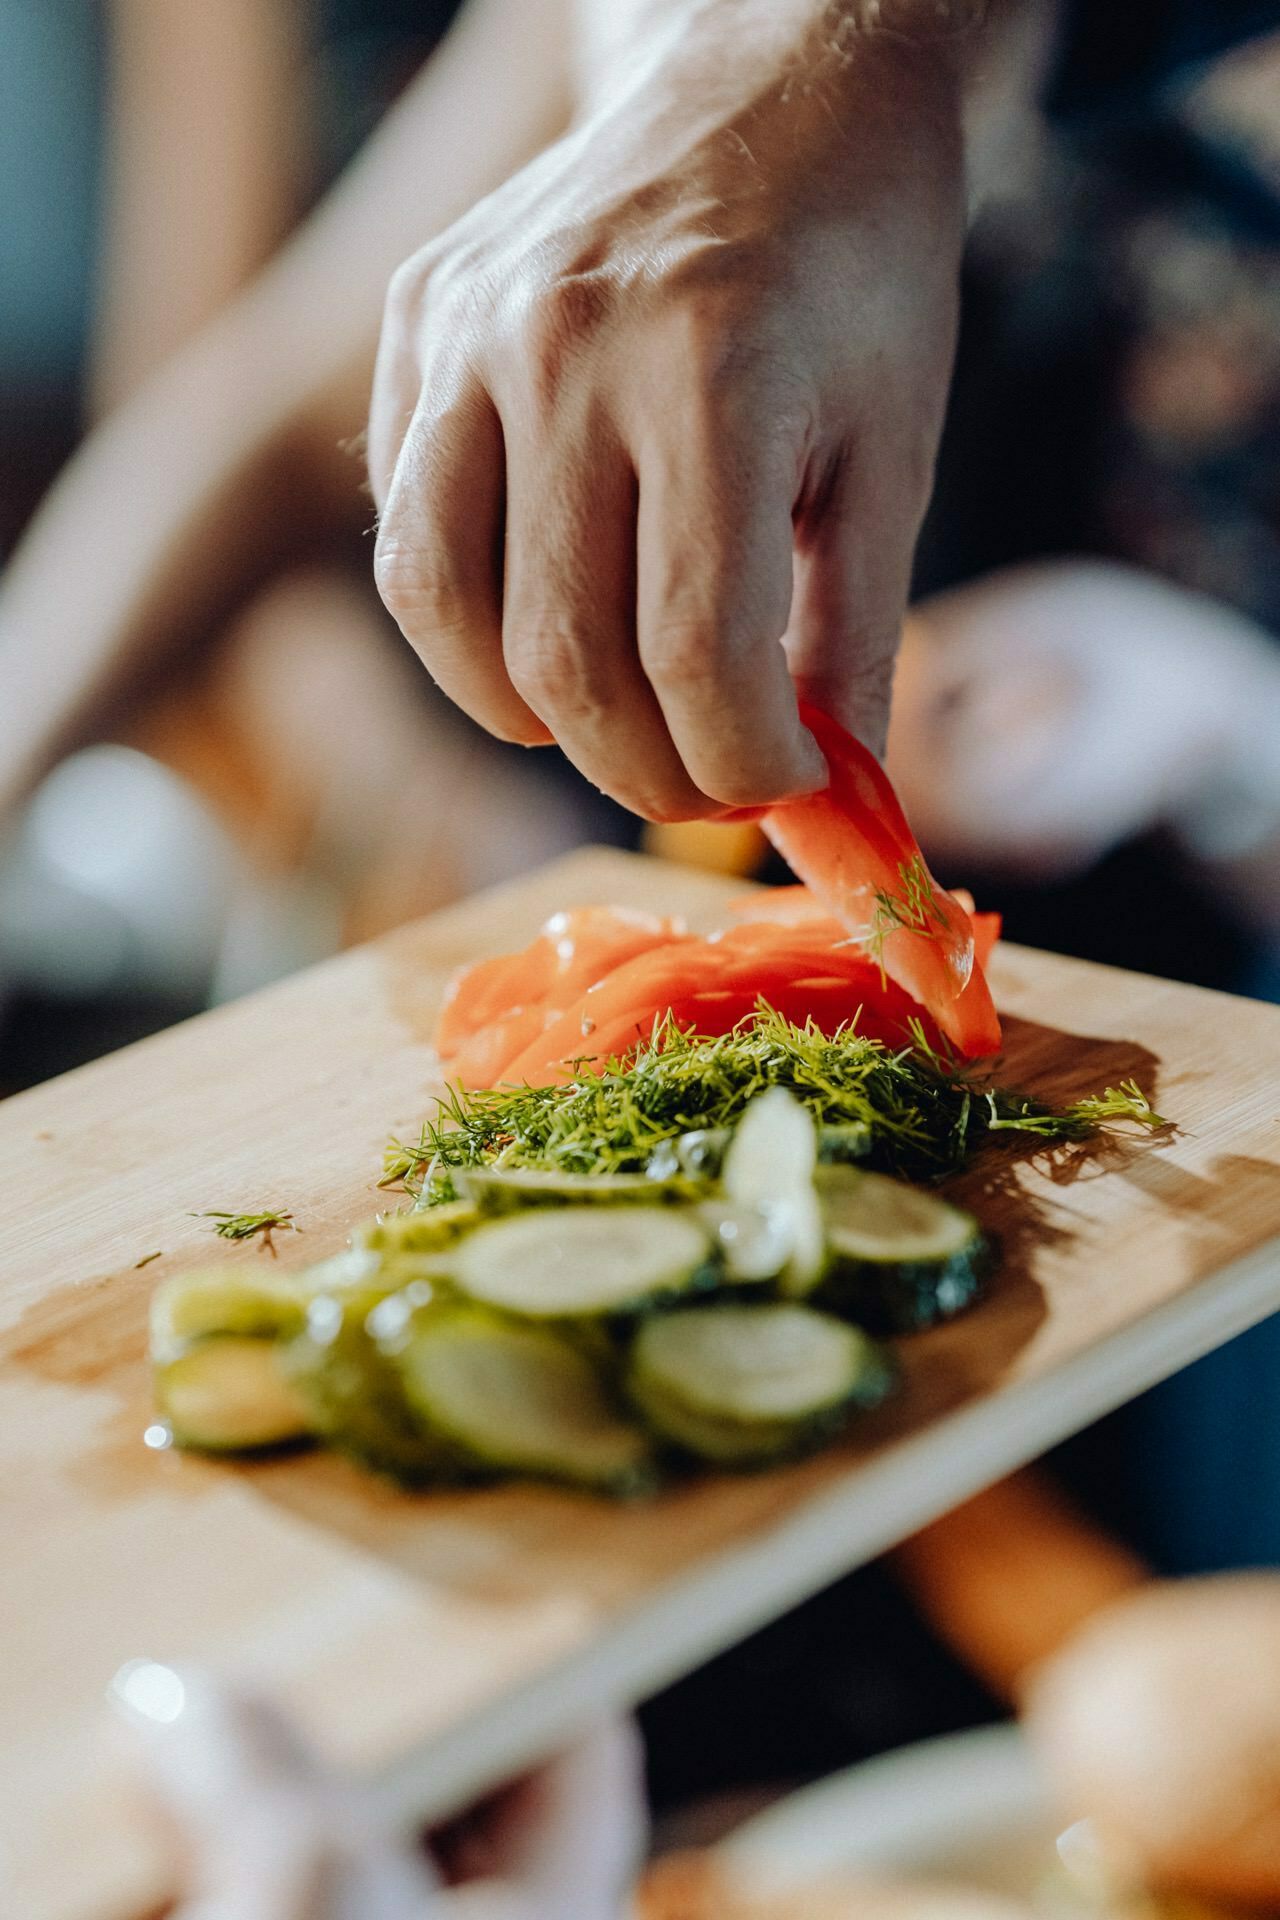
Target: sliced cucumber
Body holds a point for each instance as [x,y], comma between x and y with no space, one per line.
[513,1398]
[584,1261]
[697,1155]
[260,1303]
[770,1165]
[352,1389]
[428,1230]
[495,1190]
[902,1258]
[744,1385]
[753,1245]
[844,1144]
[229,1394]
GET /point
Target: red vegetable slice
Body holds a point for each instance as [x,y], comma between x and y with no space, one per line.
[853,848]
[797,970]
[484,1057]
[574,949]
[779,906]
[986,933]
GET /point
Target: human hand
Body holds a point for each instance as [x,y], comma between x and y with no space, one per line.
[1045,714]
[673,395]
[269,1834]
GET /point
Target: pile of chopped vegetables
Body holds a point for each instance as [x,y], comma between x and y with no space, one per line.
[870,940]
[660,1217]
[898,1109]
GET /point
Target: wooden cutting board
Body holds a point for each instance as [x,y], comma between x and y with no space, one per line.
[438,1642]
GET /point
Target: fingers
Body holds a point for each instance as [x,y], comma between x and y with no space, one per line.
[713,593]
[438,561]
[569,620]
[569,1839]
[268,1833]
[853,555]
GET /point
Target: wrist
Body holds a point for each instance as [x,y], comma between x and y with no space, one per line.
[826,103]
[627,45]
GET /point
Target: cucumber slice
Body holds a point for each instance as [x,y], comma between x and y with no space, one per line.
[497,1190]
[753,1246]
[584,1261]
[229,1394]
[902,1258]
[698,1155]
[770,1165]
[513,1398]
[353,1391]
[232,1300]
[843,1144]
[429,1230]
[744,1385]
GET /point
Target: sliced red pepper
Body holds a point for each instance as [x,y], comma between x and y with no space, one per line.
[648,981]
[986,934]
[484,1057]
[796,970]
[573,950]
[852,846]
[779,906]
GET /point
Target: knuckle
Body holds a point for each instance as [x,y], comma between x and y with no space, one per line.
[406,286]
[686,655]
[420,593]
[551,669]
[560,319]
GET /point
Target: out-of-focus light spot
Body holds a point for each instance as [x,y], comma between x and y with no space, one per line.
[149,1691]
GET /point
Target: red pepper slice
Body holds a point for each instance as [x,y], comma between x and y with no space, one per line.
[573,950]
[852,846]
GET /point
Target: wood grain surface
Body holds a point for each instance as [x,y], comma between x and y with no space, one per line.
[434,1642]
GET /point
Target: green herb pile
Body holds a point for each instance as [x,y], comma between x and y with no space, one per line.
[917,1114]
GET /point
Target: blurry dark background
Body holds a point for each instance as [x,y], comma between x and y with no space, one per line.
[1117,396]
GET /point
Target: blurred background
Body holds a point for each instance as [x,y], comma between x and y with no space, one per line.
[218,761]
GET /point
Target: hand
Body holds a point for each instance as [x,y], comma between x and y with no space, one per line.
[685,373]
[1045,714]
[270,1835]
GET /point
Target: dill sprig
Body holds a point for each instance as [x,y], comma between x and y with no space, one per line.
[916,909]
[245,1226]
[921,1115]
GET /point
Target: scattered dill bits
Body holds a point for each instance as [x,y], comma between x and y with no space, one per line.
[246,1226]
[920,1115]
[147,1258]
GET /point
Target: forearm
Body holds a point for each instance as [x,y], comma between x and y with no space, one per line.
[173,502]
[214,90]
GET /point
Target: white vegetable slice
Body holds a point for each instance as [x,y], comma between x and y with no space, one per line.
[770,1165]
[229,1394]
[512,1189]
[748,1383]
[514,1398]
[225,1299]
[566,1262]
[874,1218]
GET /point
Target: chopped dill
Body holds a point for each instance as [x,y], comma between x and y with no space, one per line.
[922,1117]
[245,1226]
[147,1258]
[916,909]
